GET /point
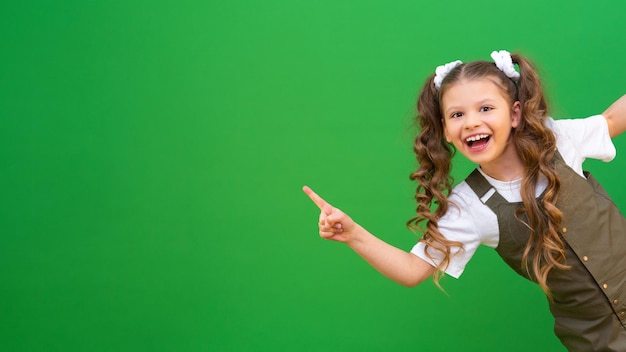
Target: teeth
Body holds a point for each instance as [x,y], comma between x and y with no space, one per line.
[476,137]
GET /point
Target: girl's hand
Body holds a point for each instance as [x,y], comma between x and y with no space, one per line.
[334,224]
[398,265]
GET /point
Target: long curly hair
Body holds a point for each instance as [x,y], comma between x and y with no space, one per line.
[534,143]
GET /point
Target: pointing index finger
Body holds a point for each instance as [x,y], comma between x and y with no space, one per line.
[321,203]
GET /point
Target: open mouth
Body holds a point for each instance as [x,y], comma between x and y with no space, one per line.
[477,141]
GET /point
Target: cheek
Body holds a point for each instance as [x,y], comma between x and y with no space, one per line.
[450,130]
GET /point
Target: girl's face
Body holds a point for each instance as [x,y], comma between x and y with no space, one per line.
[477,120]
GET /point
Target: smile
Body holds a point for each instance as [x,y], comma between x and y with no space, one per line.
[477,140]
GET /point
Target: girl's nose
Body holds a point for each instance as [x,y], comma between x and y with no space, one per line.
[472,121]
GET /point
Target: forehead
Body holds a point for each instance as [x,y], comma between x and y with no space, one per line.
[469,90]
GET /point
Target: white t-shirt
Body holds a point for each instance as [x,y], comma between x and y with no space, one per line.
[473,223]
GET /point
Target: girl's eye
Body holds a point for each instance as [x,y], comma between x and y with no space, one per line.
[456,114]
[486,108]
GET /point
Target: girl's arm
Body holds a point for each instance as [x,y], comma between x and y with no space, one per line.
[404,268]
[615,116]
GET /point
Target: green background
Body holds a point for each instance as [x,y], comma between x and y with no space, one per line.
[152,155]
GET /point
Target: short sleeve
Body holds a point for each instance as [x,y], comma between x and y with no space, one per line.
[579,139]
[459,224]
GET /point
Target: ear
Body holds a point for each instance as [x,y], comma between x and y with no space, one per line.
[516,114]
[445,131]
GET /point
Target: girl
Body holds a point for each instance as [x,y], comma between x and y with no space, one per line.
[529,197]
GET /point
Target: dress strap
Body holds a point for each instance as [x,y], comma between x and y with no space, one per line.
[485,191]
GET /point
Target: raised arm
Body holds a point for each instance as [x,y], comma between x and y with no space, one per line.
[615,116]
[404,268]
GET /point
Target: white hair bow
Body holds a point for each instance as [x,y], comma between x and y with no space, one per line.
[504,62]
[442,71]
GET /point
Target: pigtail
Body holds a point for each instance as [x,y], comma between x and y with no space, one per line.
[536,146]
[434,157]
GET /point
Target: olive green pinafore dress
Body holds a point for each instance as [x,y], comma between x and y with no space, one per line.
[589,304]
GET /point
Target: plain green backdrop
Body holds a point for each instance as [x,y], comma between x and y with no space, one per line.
[152,155]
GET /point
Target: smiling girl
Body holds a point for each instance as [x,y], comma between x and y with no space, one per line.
[529,198]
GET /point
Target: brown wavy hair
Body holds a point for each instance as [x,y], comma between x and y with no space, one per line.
[534,143]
